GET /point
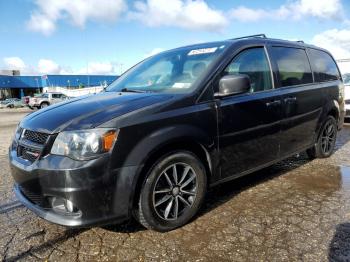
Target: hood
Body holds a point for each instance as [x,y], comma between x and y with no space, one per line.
[89,111]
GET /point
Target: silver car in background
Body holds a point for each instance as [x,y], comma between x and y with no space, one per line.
[346,79]
[11,103]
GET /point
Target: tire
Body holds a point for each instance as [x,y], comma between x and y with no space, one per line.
[11,106]
[154,210]
[43,105]
[327,137]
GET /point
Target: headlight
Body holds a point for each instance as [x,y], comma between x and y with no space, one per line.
[84,144]
[18,132]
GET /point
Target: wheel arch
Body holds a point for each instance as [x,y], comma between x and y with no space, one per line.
[179,138]
[332,108]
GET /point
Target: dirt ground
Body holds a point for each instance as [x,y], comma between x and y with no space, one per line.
[295,210]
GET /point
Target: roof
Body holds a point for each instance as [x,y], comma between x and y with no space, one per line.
[55,80]
[20,82]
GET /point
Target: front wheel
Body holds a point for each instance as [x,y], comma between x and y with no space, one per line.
[325,144]
[173,192]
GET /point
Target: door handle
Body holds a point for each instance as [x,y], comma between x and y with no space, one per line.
[273,103]
[290,99]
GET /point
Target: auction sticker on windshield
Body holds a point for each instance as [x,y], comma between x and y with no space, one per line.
[202,51]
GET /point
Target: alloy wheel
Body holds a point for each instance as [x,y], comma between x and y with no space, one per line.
[175,191]
[328,137]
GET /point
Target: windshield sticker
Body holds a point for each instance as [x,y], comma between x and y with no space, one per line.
[182,85]
[202,51]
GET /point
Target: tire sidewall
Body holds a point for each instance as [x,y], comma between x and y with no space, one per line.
[146,196]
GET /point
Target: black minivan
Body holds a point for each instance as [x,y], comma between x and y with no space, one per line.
[175,124]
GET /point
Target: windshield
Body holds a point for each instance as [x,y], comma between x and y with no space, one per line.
[174,71]
[44,96]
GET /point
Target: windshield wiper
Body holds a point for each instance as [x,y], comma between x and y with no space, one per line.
[133,90]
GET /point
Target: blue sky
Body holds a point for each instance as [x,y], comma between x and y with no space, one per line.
[107,36]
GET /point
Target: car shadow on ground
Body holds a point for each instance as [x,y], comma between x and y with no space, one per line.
[10,206]
[70,233]
[339,248]
[220,194]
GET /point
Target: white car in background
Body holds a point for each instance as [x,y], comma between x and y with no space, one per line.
[346,79]
[46,99]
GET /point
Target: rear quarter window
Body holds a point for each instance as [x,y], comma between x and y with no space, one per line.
[324,66]
[293,66]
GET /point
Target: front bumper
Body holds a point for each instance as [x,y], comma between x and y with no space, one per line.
[99,196]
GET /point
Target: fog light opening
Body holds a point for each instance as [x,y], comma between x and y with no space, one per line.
[61,205]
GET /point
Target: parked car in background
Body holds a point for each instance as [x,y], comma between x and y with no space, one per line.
[46,99]
[11,103]
[346,79]
[174,125]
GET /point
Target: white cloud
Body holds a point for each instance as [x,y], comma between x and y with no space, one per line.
[14,63]
[338,43]
[100,68]
[328,9]
[46,66]
[78,12]
[188,14]
[297,9]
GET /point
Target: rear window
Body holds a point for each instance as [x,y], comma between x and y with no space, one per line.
[323,65]
[56,95]
[293,66]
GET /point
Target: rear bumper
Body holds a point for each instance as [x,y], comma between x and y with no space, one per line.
[98,195]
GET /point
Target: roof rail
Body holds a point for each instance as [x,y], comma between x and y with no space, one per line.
[250,36]
[300,41]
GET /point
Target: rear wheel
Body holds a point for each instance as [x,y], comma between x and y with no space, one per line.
[43,105]
[326,140]
[172,193]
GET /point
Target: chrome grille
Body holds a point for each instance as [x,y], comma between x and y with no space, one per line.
[28,153]
[35,137]
[31,144]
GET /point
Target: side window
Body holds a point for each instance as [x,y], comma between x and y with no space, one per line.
[293,66]
[55,95]
[254,63]
[323,66]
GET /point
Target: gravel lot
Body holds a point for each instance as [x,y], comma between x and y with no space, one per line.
[295,210]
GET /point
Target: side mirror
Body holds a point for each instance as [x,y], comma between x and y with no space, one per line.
[233,85]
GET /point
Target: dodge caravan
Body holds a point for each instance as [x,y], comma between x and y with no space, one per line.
[181,121]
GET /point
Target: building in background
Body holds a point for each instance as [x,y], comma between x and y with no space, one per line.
[17,86]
